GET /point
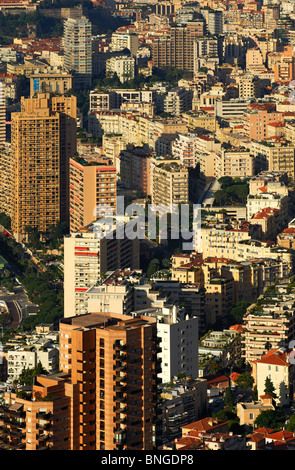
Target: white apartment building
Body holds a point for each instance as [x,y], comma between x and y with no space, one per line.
[276,366]
[184,149]
[275,156]
[178,336]
[113,99]
[77,48]
[221,242]
[178,101]
[28,357]
[257,202]
[123,66]
[231,109]
[87,257]
[125,40]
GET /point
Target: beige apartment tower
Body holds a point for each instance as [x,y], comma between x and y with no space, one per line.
[92,186]
[42,141]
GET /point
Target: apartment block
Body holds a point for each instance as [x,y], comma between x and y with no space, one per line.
[123,66]
[164,293]
[134,168]
[43,138]
[276,155]
[258,202]
[170,183]
[112,146]
[7,185]
[222,242]
[184,403]
[122,39]
[199,119]
[257,117]
[275,364]
[267,325]
[92,185]
[176,50]
[250,87]
[78,50]
[28,358]
[178,335]
[219,298]
[2,113]
[114,293]
[178,101]
[283,64]
[113,361]
[237,163]
[33,423]
[87,255]
[184,149]
[50,83]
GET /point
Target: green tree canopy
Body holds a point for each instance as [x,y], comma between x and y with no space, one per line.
[27,375]
[269,388]
[270,419]
[238,311]
[291,424]
[229,398]
[245,380]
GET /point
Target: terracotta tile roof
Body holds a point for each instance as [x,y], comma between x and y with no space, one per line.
[275,357]
[204,425]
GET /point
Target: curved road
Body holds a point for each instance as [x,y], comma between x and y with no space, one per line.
[15,312]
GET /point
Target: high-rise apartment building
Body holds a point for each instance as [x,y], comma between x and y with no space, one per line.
[105,396]
[43,137]
[125,39]
[87,257]
[169,183]
[34,422]
[78,50]
[214,20]
[177,49]
[92,184]
[113,360]
[2,114]
[7,187]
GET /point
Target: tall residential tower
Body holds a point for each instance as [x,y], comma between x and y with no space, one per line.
[78,50]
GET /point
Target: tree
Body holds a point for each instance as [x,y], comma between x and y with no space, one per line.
[255,394]
[274,419]
[291,424]
[166,263]
[238,311]
[229,398]
[153,267]
[27,375]
[5,220]
[269,388]
[226,181]
[245,380]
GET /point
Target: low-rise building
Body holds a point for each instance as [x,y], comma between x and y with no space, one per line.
[184,401]
[28,357]
[269,324]
[276,366]
[248,412]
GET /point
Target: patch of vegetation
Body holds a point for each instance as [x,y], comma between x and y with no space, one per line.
[234,191]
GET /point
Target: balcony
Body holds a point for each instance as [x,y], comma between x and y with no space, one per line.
[119,356]
[119,388]
[120,436]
